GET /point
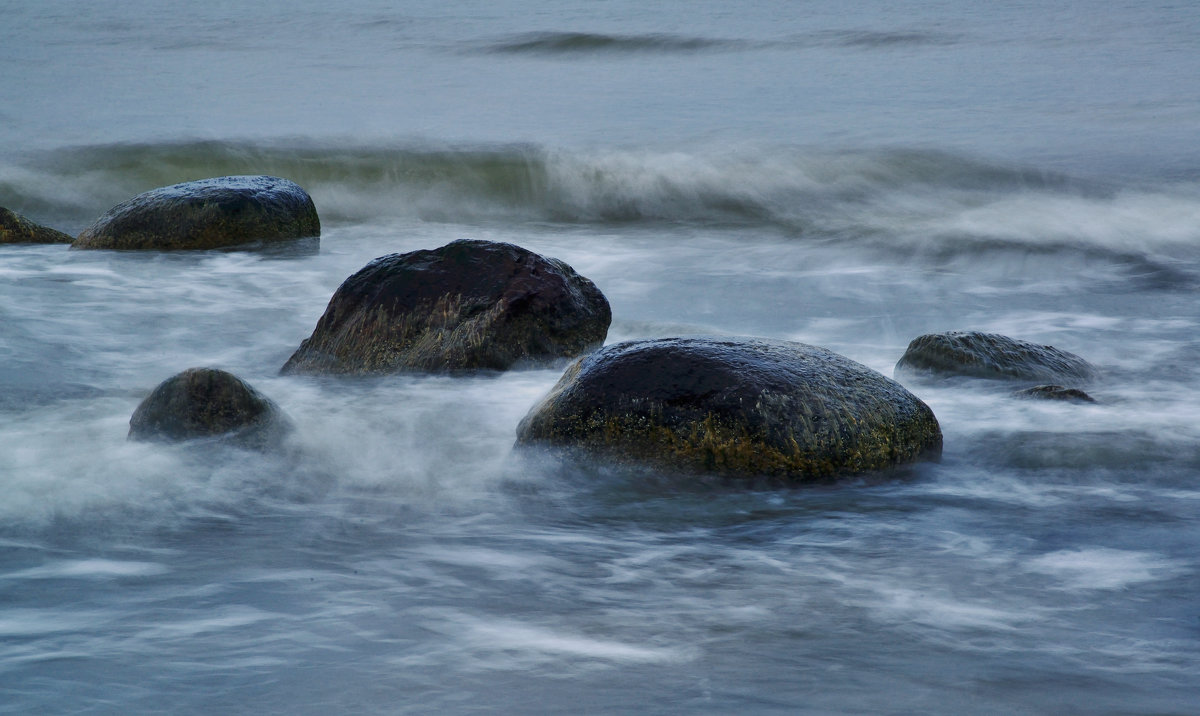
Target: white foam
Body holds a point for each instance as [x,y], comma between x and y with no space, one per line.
[943,610]
[26,623]
[517,638]
[89,569]
[1103,568]
[1130,220]
[229,618]
[506,635]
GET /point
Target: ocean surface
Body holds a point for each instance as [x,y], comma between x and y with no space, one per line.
[850,175]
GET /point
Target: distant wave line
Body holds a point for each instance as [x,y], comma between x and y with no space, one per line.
[560,43]
[571,42]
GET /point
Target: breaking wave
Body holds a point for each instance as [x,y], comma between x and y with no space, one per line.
[903,199]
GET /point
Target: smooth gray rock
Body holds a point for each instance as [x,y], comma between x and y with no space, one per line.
[208,403]
[991,355]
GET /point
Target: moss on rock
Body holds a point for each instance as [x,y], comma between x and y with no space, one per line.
[16,229]
[740,407]
[206,214]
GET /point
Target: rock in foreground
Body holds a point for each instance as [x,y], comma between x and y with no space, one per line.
[468,305]
[206,214]
[739,407]
[206,403]
[16,229]
[990,355]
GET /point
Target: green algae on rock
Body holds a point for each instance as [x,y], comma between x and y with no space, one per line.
[990,355]
[469,305]
[16,229]
[737,407]
[208,403]
[207,214]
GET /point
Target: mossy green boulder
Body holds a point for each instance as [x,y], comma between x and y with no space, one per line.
[737,407]
[16,229]
[991,355]
[208,403]
[207,214]
[469,305]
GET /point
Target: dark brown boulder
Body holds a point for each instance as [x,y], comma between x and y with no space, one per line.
[208,403]
[468,305]
[991,355]
[206,214]
[16,229]
[739,407]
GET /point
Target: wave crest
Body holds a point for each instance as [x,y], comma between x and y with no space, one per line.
[903,199]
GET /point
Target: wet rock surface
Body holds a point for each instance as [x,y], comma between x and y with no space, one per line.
[207,214]
[738,407]
[1054,392]
[991,355]
[469,305]
[16,229]
[208,403]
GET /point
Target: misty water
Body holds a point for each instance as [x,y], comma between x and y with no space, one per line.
[849,177]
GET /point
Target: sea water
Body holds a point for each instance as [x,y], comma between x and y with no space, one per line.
[850,175]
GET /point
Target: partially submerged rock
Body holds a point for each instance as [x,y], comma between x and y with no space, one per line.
[1055,392]
[16,229]
[208,403]
[991,355]
[468,305]
[207,214]
[741,407]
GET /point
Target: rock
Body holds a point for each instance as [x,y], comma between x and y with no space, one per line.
[206,214]
[990,355]
[206,403]
[740,407]
[16,229]
[1055,392]
[465,306]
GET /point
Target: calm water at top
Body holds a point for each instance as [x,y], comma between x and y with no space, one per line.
[1076,83]
[845,174]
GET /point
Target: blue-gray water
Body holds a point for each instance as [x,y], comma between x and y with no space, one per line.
[845,174]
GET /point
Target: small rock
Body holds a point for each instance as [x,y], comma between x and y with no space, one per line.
[990,355]
[16,229]
[468,305]
[205,403]
[1055,392]
[740,407]
[206,214]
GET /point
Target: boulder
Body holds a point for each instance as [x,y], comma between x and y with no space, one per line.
[208,403]
[1054,392]
[738,407]
[990,355]
[16,229]
[206,214]
[468,305]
